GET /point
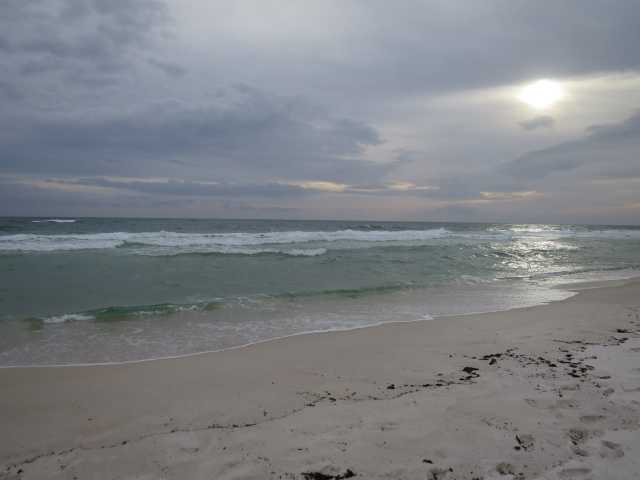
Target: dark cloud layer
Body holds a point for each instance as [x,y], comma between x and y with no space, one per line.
[610,150]
[72,39]
[244,133]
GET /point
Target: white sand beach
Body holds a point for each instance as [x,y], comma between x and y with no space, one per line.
[548,392]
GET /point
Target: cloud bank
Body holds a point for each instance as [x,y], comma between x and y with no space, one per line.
[329,109]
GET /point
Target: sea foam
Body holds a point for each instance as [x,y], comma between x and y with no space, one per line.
[232,243]
[68,317]
[55,220]
[290,243]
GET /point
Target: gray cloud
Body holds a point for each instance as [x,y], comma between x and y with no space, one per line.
[246,133]
[537,122]
[612,148]
[169,68]
[72,40]
[173,187]
[435,46]
[191,188]
[20,198]
[356,55]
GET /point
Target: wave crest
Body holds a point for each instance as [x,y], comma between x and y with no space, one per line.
[233,243]
[55,220]
[292,243]
[127,312]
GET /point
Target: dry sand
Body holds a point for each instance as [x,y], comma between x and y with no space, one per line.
[551,392]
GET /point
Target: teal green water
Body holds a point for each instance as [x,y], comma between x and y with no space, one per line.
[96,290]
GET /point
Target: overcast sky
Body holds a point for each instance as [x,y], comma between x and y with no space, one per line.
[320,109]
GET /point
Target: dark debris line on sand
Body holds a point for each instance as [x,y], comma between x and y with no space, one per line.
[323,476]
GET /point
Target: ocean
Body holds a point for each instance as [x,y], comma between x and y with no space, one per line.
[99,290]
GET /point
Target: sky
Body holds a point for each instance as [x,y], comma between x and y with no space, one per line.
[345,109]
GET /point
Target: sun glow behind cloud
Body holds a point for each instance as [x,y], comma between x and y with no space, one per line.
[542,94]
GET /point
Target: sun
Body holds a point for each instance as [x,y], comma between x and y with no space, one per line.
[542,94]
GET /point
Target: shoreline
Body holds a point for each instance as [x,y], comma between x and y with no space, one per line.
[372,376]
[310,332]
[572,288]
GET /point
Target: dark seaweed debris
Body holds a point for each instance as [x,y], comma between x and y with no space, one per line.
[323,476]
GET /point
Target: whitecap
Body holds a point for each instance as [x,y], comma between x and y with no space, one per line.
[55,220]
[68,317]
[237,243]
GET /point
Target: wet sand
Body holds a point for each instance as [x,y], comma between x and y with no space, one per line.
[543,392]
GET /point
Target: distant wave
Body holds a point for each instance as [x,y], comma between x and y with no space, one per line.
[153,251]
[291,243]
[223,243]
[551,231]
[55,220]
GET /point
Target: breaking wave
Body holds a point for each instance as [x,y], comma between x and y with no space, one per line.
[223,243]
[127,312]
[291,243]
[54,220]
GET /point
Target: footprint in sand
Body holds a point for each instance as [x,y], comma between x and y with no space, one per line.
[575,472]
[611,450]
[536,403]
[578,435]
[525,441]
[505,468]
[592,418]
[630,388]
[552,404]
[581,452]
[437,474]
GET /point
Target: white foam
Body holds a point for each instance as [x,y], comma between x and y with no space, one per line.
[256,243]
[69,317]
[294,252]
[287,237]
[311,252]
[568,232]
[220,243]
[55,220]
[50,243]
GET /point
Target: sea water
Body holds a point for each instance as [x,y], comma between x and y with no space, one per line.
[95,290]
